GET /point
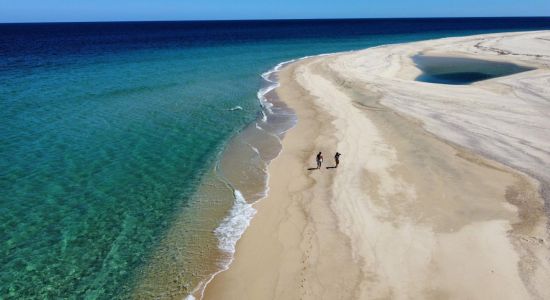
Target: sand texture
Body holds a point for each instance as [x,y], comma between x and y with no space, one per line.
[441,189]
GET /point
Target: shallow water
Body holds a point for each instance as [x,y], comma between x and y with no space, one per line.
[457,71]
[111,174]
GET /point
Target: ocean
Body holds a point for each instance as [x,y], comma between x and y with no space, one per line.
[131,152]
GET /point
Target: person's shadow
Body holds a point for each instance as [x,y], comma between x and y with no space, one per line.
[311,169]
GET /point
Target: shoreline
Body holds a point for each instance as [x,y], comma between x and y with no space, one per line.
[276,120]
[262,140]
[310,225]
[223,204]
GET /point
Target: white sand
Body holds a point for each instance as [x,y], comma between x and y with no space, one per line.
[426,203]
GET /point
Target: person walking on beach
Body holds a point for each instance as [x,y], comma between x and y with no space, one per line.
[319,160]
[337,159]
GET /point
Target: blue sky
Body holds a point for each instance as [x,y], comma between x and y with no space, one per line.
[121,10]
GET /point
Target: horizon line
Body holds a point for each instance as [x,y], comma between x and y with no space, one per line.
[275,19]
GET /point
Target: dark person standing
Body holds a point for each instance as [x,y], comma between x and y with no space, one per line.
[337,159]
[319,160]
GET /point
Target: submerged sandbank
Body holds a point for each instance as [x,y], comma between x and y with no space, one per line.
[439,193]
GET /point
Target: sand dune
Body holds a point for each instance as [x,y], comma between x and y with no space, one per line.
[440,192]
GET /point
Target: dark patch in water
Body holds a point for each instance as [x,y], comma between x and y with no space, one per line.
[453,70]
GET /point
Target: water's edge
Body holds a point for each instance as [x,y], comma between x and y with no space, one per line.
[264,137]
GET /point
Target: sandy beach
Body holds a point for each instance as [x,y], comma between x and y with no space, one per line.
[441,189]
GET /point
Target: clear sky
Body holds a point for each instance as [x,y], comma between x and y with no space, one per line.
[138,10]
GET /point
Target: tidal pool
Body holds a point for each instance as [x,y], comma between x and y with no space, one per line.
[458,71]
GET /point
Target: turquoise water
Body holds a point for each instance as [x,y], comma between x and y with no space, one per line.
[107,131]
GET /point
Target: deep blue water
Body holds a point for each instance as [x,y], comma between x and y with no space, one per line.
[107,128]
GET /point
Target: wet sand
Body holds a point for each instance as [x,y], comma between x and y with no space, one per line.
[440,190]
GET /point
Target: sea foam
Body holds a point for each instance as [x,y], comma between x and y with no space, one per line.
[234,224]
[228,233]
